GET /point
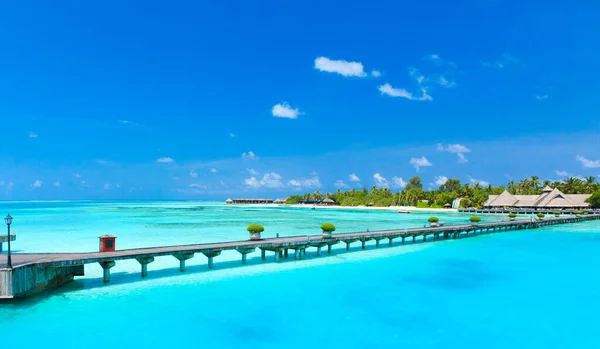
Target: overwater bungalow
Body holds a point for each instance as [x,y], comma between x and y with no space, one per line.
[549,199]
[249,201]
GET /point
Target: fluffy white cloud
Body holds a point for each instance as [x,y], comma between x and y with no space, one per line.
[193,173]
[232,135]
[56,184]
[269,180]
[376,73]
[387,89]
[284,110]
[478,181]
[33,135]
[77,175]
[588,163]
[420,162]
[36,184]
[461,158]
[341,67]
[439,180]
[107,186]
[353,178]
[165,160]
[305,183]
[398,182]
[252,172]
[198,186]
[214,170]
[380,181]
[562,173]
[340,184]
[249,155]
[252,182]
[453,148]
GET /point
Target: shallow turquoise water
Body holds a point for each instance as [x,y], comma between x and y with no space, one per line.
[529,289]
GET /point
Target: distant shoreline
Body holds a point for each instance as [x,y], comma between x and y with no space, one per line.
[375,208]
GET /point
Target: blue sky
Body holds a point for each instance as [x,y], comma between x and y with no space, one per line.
[209,100]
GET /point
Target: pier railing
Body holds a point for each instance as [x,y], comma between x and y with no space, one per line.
[32,273]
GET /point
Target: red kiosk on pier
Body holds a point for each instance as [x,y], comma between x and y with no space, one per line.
[107,243]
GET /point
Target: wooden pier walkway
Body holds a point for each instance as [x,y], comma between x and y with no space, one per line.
[36,272]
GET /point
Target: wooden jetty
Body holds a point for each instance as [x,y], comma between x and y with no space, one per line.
[35,272]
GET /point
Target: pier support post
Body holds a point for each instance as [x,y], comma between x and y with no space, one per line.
[363,244]
[211,255]
[329,249]
[390,241]
[404,237]
[285,253]
[347,245]
[296,254]
[182,257]
[318,251]
[144,261]
[263,254]
[413,238]
[244,251]
[424,237]
[106,267]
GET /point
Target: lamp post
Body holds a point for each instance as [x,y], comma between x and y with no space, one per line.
[8,220]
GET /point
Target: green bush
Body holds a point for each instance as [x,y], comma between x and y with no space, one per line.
[475,219]
[255,228]
[422,205]
[541,215]
[328,227]
[433,219]
[594,200]
[577,212]
[512,215]
[586,211]
[556,212]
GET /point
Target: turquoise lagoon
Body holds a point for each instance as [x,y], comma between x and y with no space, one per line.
[522,289]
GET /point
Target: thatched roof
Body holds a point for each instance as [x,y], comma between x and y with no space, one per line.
[328,201]
[548,199]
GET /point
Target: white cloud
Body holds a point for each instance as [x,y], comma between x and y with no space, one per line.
[284,110]
[198,186]
[193,174]
[36,184]
[56,184]
[214,170]
[387,89]
[478,181]
[453,148]
[541,97]
[398,182]
[232,135]
[435,58]
[562,173]
[252,171]
[269,180]
[420,162]
[461,158]
[249,155]
[33,135]
[439,180]
[251,182]
[442,81]
[502,62]
[340,184]
[380,181]
[341,67]
[375,73]
[353,178]
[305,183]
[77,175]
[128,122]
[166,160]
[107,186]
[588,163]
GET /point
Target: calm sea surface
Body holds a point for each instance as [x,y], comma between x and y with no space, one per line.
[523,289]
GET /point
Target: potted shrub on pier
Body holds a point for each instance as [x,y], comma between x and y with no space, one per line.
[577,213]
[512,216]
[433,221]
[556,213]
[475,220]
[328,230]
[586,211]
[255,230]
[540,216]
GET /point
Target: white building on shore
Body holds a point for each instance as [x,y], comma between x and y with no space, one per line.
[549,199]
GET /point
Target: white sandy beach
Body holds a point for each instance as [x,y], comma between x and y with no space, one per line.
[390,208]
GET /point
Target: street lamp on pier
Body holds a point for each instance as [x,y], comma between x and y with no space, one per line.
[8,220]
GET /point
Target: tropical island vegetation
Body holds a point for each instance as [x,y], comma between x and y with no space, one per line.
[473,195]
